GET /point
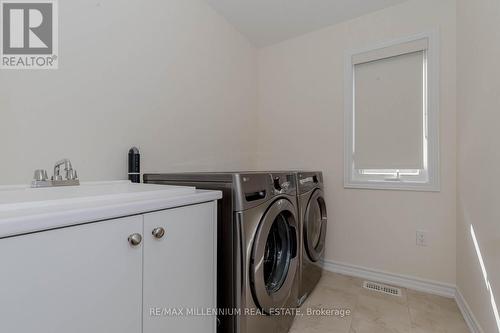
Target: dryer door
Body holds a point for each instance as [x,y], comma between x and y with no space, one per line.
[274,256]
[315,220]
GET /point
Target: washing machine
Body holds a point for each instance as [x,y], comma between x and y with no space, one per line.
[258,247]
[312,223]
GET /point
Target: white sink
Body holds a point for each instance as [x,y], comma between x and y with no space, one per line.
[24,197]
[24,209]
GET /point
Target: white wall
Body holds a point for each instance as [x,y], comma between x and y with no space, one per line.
[478,72]
[301,107]
[170,76]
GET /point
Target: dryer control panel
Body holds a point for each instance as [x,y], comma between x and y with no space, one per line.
[308,181]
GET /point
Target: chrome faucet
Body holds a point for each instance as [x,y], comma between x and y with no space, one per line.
[70,177]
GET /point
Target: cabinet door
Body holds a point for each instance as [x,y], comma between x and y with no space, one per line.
[79,279]
[180,270]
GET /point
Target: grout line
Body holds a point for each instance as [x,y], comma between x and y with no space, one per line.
[409,312]
[353,311]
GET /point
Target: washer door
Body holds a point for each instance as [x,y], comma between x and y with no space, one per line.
[274,256]
[315,220]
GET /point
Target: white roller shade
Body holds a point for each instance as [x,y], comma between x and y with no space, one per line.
[388,112]
[391,51]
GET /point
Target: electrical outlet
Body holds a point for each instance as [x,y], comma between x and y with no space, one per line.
[422,238]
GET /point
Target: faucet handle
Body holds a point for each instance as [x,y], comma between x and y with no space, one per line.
[71,174]
[40,175]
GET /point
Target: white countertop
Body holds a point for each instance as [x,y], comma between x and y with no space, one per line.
[24,209]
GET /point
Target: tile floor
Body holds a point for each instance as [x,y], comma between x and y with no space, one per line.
[372,312]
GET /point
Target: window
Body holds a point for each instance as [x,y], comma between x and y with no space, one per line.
[391,121]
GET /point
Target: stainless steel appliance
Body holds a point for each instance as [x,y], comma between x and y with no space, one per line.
[313,222]
[258,257]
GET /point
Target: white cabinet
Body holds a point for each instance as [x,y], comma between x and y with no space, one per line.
[89,278]
[179,269]
[81,279]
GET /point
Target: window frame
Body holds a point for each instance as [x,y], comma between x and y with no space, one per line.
[428,179]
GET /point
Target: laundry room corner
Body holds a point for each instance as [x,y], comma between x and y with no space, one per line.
[301,92]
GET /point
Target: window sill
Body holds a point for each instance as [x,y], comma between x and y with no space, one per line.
[392,185]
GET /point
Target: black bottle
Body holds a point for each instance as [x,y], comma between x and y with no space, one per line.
[134,165]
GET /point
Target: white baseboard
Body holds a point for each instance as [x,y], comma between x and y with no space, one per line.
[469,317]
[428,286]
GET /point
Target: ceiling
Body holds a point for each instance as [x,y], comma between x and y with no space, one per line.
[266,22]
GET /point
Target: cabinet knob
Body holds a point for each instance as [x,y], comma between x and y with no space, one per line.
[158,232]
[135,239]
